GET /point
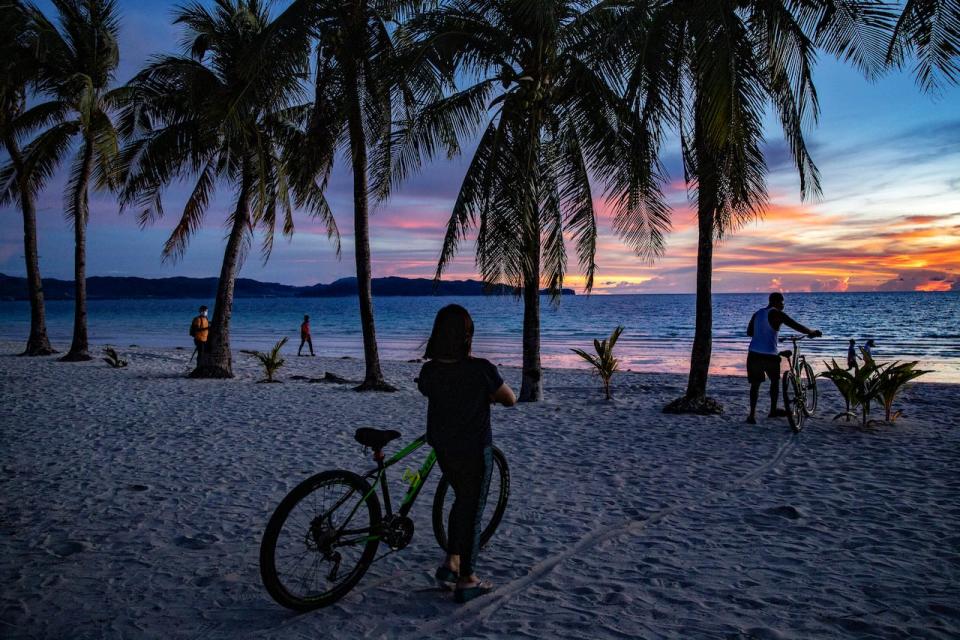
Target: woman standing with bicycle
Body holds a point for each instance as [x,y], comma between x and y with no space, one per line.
[460,389]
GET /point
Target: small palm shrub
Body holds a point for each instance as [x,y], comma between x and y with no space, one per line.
[871,382]
[857,387]
[270,361]
[113,358]
[604,362]
[893,378]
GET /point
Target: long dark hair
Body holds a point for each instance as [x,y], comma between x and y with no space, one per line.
[452,335]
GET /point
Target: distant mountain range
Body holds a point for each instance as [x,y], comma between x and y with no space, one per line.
[116,288]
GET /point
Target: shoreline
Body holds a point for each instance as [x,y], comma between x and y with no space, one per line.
[658,335]
[12,348]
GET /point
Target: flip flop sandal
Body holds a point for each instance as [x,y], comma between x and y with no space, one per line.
[446,576]
[468,594]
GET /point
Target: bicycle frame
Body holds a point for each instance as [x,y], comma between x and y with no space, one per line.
[796,360]
[380,471]
[379,476]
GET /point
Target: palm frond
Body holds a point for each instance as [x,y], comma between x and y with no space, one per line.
[931,30]
[193,211]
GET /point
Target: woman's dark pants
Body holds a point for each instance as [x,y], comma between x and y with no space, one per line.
[469,476]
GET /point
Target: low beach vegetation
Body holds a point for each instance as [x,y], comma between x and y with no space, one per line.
[893,379]
[112,358]
[269,360]
[870,383]
[604,363]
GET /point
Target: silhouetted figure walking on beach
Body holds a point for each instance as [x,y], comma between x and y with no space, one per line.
[460,389]
[868,347]
[763,359]
[305,335]
[852,355]
[199,330]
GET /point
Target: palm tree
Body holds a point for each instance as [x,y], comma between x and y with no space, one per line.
[543,87]
[19,69]
[232,109]
[711,69]
[77,62]
[931,28]
[360,89]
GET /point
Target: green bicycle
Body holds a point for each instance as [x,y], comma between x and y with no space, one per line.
[324,535]
[799,386]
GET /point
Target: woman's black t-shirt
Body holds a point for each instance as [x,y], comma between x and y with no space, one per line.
[458,411]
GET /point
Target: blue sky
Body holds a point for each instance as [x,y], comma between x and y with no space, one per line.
[889,217]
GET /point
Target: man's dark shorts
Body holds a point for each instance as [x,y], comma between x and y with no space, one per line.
[762,365]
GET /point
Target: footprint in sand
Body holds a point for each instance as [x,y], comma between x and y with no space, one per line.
[785,511]
[764,519]
[65,548]
[199,541]
[617,598]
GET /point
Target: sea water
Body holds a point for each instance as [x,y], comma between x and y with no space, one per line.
[658,328]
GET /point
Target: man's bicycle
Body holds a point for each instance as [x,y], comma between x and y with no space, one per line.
[325,533]
[799,386]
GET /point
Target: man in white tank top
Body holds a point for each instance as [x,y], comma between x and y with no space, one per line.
[763,359]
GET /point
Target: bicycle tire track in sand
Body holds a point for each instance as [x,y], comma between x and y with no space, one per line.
[481,608]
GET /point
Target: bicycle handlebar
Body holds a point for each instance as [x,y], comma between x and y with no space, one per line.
[797,338]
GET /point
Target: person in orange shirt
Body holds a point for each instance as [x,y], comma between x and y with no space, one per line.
[199,331]
[305,335]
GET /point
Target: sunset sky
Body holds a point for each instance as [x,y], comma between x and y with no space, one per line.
[889,218]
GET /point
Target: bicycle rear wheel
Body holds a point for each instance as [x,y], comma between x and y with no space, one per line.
[793,401]
[318,543]
[497,495]
[809,381]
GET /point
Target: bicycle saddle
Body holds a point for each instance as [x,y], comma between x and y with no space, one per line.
[376,439]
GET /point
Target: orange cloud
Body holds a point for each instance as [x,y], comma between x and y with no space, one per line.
[933,285]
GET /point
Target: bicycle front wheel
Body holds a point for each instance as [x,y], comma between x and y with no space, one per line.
[809,381]
[496,504]
[793,401]
[320,541]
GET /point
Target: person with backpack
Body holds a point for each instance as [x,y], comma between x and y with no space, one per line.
[199,331]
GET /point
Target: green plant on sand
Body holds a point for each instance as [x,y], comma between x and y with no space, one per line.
[871,382]
[893,378]
[604,362]
[271,361]
[113,358]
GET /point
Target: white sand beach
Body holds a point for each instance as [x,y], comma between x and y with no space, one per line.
[133,502]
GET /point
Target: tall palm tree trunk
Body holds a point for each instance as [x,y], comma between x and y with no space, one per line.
[531,382]
[79,347]
[695,399]
[703,331]
[216,360]
[373,378]
[38,344]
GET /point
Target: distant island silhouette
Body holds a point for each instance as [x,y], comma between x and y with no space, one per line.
[118,288]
